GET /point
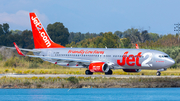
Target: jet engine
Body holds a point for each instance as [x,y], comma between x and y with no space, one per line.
[98,67]
[131,70]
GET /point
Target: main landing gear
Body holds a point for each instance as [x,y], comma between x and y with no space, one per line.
[109,72]
[88,72]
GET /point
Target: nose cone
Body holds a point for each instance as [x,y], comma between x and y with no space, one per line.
[171,62]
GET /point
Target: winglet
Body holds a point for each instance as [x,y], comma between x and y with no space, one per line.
[18,50]
[137,47]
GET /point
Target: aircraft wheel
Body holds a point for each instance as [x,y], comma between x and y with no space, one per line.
[109,72]
[88,72]
[158,73]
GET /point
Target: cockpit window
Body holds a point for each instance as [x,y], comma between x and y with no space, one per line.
[166,56]
[163,56]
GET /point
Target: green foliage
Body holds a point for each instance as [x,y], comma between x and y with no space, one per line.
[110,40]
[78,36]
[154,36]
[33,60]
[178,58]
[19,72]
[16,32]
[73,80]
[12,62]
[22,38]
[125,43]
[33,65]
[5,28]
[6,70]
[1,57]
[38,85]
[26,40]
[174,66]
[27,83]
[107,39]
[58,33]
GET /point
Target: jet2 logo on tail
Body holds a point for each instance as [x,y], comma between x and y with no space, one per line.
[43,33]
[131,60]
[36,23]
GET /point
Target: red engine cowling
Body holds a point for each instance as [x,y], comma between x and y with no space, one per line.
[98,67]
[131,70]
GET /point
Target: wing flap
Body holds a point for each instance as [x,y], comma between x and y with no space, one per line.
[60,59]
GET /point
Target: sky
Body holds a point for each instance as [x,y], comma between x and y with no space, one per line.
[94,16]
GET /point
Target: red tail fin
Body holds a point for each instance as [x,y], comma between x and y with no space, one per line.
[41,38]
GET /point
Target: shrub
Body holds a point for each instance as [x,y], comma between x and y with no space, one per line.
[6,70]
[13,69]
[1,57]
[46,72]
[55,72]
[33,65]
[27,72]
[73,80]
[19,72]
[12,62]
[174,66]
[38,85]
[30,59]
[41,72]
[27,83]
[32,71]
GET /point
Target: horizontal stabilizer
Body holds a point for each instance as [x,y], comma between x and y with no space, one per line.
[29,50]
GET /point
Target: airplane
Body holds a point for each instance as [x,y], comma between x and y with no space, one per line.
[94,59]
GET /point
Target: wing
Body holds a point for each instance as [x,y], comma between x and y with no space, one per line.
[57,60]
[63,61]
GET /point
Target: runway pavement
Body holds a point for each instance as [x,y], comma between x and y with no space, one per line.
[64,75]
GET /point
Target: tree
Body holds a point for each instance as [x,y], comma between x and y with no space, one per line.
[133,35]
[16,32]
[27,39]
[119,34]
[1,30]
[58,33]
[110,40]
[145,36]
[126,43]
[4,34]
[153,36]
[6,28]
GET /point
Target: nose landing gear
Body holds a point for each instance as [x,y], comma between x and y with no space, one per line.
[158,73]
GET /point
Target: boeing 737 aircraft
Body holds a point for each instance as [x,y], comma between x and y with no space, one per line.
[94,59]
